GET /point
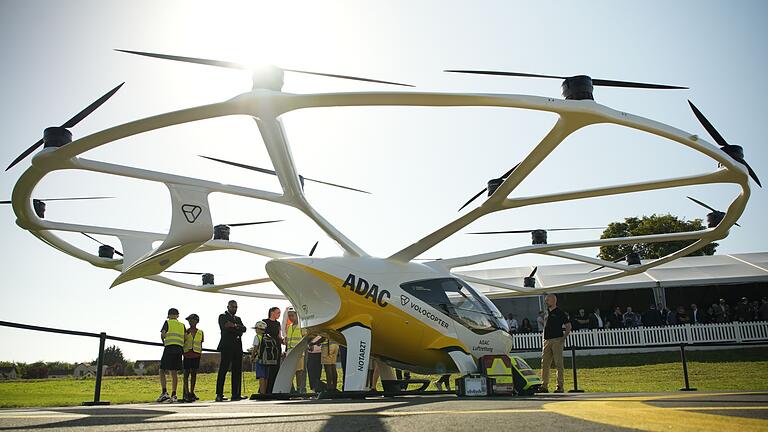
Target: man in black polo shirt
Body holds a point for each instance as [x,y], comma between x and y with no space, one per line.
[557,326]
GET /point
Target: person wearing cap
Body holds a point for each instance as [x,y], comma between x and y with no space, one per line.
[172,335]
[292,338]
[231,349]
[258,367]
[193,350]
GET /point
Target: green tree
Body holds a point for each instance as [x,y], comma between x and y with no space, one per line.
[113,355]
[654,224]
[36,370]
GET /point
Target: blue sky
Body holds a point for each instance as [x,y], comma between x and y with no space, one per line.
[421,164]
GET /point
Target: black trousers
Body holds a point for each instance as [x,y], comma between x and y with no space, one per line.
[314,369]
[231,359]
[272,377]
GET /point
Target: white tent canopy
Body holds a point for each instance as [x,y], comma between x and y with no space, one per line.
[688,271]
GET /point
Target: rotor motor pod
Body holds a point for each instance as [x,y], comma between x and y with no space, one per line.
[736,152]
[578,87]
[633,258]
[539,236]
[221,232]
[494,184]
[106,251]
[39,207]
[207,278]
[714,218]
[56,136]
[529,282]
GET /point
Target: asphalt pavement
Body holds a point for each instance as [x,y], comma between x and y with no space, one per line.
[702,412]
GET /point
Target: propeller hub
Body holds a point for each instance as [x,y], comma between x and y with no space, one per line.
[268,78]
[39,207]
[56,136]
[539,236]
[633,258]
[529,282]
[578,87]
[714,218]
[221,232]
[494,184]
[207,279]
[106,251]
[734,151]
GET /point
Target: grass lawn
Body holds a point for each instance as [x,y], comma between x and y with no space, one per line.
[735,369]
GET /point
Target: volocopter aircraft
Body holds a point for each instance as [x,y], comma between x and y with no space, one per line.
[421,316]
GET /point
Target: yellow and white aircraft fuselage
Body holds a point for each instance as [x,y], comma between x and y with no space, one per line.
[425,319]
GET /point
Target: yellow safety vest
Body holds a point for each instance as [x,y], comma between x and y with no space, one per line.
[175,334]
[293,336]
[193,344]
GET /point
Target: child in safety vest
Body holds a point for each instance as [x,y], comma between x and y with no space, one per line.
[258,367]
[193,351]
[172,335]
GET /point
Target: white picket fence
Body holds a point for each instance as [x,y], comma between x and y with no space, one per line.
[642,336]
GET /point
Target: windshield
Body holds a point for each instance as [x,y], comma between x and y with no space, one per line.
[459,301]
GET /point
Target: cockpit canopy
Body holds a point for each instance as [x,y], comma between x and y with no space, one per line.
[459,301]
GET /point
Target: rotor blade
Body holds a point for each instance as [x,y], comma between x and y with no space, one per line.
[233,65]
[617,260]
[268,171]
[183,272]
[708,126]
[349,77]
[531,230]
[502,232]
[336,185]
[219,63]
[91,108]
[574,229]
[74,198]
[506,174]
[629,84]
[473,198]
[240,165]
[751,173]
[24,154]
[500,73]
[70,123]
[312,251]
[701,204]
[534,271]
[252,223]
[103,244]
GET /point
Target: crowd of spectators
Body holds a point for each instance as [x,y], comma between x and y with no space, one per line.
[719,312]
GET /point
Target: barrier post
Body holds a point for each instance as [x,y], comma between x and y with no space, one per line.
[99,369]
[685,369]
[575,378]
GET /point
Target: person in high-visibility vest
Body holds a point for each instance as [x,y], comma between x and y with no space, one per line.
[193,351]
[172,335]
[258,368]
[292,338]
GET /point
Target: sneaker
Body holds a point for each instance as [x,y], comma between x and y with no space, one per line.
[220,398]
[559,390]
[194,396]
[163,397]
[171,399]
